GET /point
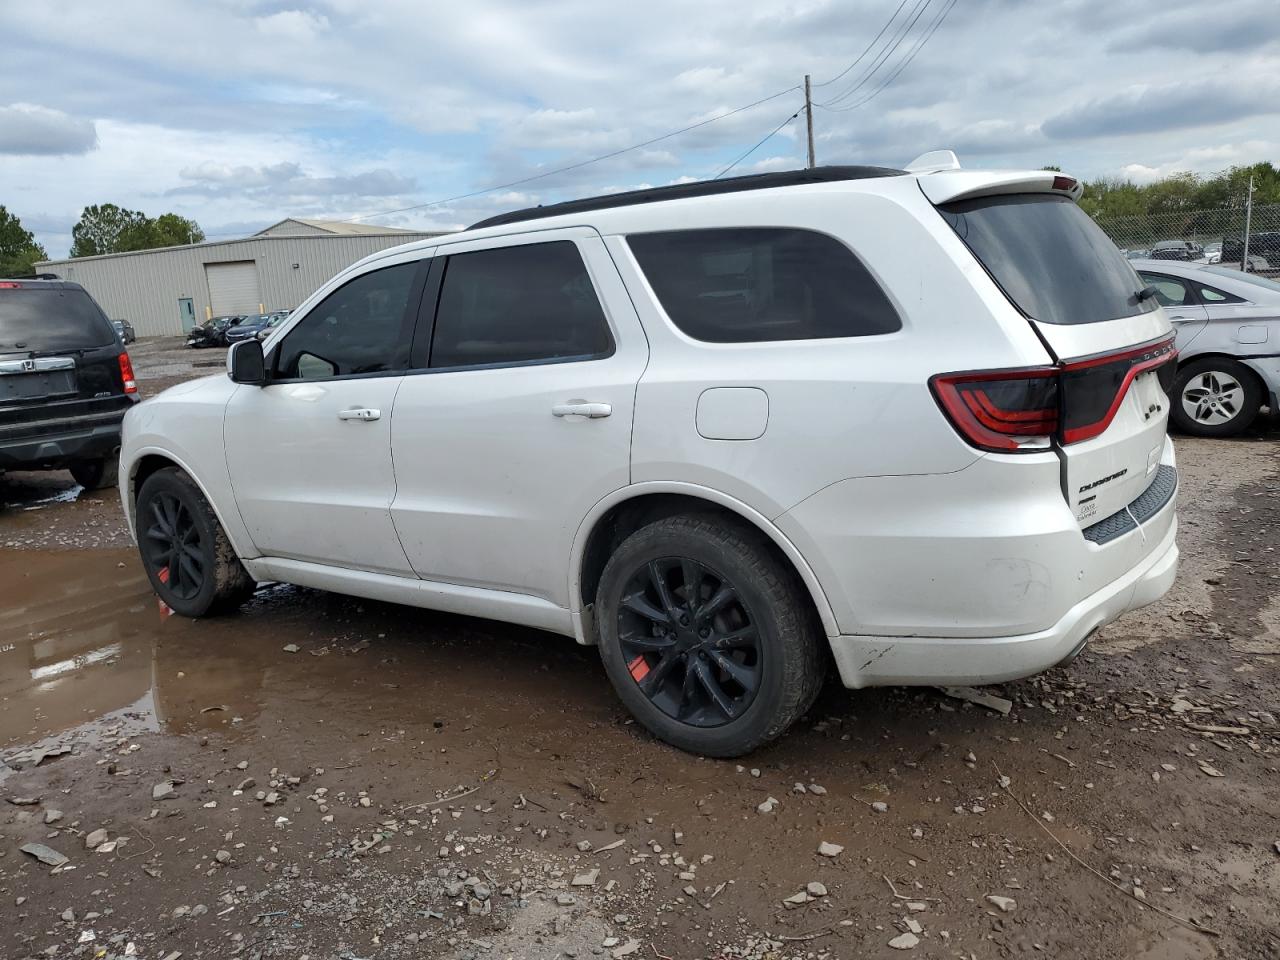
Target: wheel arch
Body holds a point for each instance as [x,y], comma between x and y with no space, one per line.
[149,461]
[628,509]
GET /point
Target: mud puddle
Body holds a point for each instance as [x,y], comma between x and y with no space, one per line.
[355,761]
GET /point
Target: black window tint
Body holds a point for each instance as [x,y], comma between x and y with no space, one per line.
[753,284]
[50,318]
[518,304]
[359,328]
[1049,258]
[1170,292]
[1214,295]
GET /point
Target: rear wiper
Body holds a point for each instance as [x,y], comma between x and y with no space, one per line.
[1146,293]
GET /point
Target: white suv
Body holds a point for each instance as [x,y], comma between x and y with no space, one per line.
[912,420]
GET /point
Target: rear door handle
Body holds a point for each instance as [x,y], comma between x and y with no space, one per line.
[359,413]
[581,408]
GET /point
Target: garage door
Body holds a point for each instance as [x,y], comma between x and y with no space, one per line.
[233,287]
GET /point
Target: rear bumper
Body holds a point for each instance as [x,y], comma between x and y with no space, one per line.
[948,661]
[55,450]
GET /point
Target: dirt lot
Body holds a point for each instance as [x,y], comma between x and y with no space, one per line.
[326,777]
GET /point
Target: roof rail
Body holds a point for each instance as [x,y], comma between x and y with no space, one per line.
[701,188]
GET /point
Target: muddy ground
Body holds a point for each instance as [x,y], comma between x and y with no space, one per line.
[325,777]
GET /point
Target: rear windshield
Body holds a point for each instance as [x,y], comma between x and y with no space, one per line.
[1049,258]
[38,319]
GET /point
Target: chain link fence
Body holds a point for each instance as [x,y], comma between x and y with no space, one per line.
[1217,236]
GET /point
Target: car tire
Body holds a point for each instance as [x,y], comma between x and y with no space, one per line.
[690,672]
[186,554]
[95,474]
[1215,397]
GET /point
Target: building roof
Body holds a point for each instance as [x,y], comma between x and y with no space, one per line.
[701,188]
[331,226]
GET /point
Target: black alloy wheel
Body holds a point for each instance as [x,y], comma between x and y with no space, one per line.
[690,642]
[185,552]
[173,546]
[707,634]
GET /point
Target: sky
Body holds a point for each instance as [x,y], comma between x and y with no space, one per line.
[239,113]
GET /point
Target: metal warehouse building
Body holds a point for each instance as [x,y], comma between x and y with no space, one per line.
[167,291]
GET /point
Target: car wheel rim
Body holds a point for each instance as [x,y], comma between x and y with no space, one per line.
[1213,398]
[174,546]
[690,642]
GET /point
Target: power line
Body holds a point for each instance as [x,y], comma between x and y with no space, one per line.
[928,34]
[767,137]
[883,56]
[826,83]
[573,166]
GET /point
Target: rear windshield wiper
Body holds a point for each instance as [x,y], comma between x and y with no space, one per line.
[1146,293]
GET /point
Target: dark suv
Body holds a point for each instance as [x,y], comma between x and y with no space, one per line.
[65,382]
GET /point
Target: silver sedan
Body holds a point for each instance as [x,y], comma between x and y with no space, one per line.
[1228,327]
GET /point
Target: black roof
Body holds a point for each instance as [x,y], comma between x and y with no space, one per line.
[703,188]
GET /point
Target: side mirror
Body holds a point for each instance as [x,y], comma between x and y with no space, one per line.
[245,363]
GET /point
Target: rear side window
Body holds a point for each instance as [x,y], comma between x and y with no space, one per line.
[753,284]
[1213,295]
[362,327]
[1049,258]
[532,303]
[47,318]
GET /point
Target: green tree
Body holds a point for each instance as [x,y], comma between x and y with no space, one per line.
[19,251]
[166,230]
[100,229]
[112,229]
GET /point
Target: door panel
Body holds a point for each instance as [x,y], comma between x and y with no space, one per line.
[310,483]
[310,454]
[496,466]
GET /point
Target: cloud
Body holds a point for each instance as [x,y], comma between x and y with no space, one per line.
[1169,106]
[1204,29]
[30,130]
[287,180]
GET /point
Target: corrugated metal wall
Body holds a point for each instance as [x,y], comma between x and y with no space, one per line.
[145,288]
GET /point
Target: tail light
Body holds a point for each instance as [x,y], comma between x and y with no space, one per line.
[1020,410]
[126,374]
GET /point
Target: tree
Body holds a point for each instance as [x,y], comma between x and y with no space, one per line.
[166,230]
[100,229]
[19,251]
[111,229]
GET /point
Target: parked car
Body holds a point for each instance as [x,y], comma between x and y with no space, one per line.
[65,382]
[1176,250]
[1264,250]
[1212,252]
[1228,327]
[248,327]
[124,330]
[273,320]
[213,332]
[725,430]
[1136,254]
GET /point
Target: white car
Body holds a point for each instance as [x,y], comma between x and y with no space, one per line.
[1228,327]
[912,421]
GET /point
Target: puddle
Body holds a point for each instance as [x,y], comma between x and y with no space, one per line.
[34,491]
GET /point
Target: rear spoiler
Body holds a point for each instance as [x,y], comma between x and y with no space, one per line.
[942,180]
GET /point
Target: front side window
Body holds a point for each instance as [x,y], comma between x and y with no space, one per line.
[531,303]
[362,327]
[753,284]
[1050,259]
[1170,292]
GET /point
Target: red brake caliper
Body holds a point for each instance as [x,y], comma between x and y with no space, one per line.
[639,668]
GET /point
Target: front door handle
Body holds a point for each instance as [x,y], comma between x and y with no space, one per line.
[581,408]
[359,413]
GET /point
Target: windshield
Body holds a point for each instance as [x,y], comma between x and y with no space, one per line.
[1050,259]
[47,318]
[1243,277]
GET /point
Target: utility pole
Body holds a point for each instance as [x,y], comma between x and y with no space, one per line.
[808,119]
[1248,216]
